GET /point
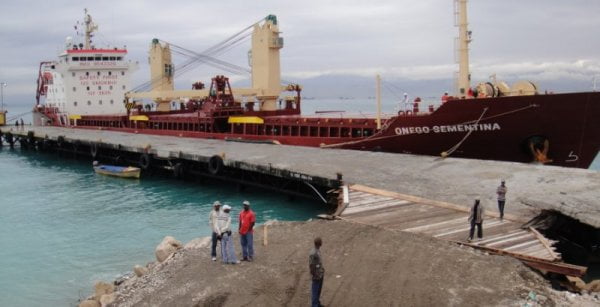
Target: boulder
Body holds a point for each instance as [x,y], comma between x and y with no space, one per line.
[167,247]
[140,270]
[198,243]
[89,303]
[107,299]
[101,288]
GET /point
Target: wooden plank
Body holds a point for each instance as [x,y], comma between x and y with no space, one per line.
[378,203]
[521,247]
[542,264]
[424,228]
[511,239]
[544,242]
[416,199]
[375,207]
[464,229]
[500,236]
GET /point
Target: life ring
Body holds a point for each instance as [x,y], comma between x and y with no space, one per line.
[215,165]
[145,161]
[94,150]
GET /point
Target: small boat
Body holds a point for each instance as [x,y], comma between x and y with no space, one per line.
[117,171]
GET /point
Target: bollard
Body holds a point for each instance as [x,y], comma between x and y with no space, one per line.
[265,240]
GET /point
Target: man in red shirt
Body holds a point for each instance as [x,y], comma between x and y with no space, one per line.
[247,220]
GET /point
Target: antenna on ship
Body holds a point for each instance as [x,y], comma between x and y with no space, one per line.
[464,38]
[90,27]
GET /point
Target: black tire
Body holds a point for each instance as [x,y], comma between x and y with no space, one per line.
[178,170]
[60,141]
[8,137]
[145,161]
[215,165]
[94,150]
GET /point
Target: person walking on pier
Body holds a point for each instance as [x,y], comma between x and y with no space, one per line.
[246,225]
[213,221]
[317,272]
[476,219]
[224,231]
[501,191]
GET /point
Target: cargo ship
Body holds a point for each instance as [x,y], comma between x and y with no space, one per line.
[88,88]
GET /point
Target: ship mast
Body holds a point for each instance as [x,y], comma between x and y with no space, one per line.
[90,27]
[464,38]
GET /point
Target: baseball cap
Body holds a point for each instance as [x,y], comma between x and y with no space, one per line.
[246,203]
[217,203]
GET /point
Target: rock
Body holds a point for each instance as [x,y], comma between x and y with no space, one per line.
[541,298]
[102,288]
[167,247]
[593,286]
[198,243]
[140,270]
[107,299]
[89,303]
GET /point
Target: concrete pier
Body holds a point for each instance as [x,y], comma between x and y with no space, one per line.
[573,192]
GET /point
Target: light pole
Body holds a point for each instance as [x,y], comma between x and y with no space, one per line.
[2,85]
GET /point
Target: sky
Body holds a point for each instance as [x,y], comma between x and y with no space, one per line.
[540,40]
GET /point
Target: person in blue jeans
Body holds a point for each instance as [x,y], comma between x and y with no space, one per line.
[317,273]
[224,231]
[246,225]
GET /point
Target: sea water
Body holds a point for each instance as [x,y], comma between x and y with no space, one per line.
[63,227]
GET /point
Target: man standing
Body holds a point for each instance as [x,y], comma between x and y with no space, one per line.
[476,219]
[224,231]
[501,191]
[212,221]
[247,221]
[317,273]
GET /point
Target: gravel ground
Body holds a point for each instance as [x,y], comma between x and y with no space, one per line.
[365,266]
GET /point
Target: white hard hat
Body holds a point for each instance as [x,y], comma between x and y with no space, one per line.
[226,207]
[216,203]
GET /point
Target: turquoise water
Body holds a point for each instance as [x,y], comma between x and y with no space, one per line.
[62,227]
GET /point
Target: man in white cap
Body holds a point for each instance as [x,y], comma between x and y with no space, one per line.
[212,221]
[246,225]
[501,191]
[224,231]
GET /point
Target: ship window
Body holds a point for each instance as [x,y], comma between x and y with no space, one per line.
[119,58]
[112,101]
[75,59]
[98,73]
[75,103]
[100,102]
[104,58]
[99,88]
[89,103]
[110,87]
[123,86]
[87,73]
[73,74]
[122,73]
[88,88]
[110,73]
[90,58]
[98,58]
[112,58]
[82,59]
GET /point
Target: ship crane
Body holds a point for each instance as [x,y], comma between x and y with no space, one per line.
[263,57]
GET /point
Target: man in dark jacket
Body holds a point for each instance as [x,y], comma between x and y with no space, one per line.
[476,219]
[317,273]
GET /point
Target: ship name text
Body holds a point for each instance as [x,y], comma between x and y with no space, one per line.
[447,128]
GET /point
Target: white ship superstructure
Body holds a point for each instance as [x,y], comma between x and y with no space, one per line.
[83,81]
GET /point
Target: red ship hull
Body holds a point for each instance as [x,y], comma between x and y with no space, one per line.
[563,128]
